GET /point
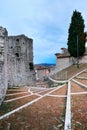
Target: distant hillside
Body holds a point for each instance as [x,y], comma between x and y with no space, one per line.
[45,64]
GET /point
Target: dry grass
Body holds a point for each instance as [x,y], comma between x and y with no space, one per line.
[71,71]
[79,112]
[46,114]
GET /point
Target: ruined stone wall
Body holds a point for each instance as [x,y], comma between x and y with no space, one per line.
[20,61]
[16,62]
[3,62]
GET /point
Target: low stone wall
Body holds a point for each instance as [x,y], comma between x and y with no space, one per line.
[63,63]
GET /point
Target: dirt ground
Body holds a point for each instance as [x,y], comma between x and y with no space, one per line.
[47,112]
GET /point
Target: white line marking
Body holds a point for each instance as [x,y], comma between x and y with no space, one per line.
[14,99]
[28,104]
[76,93]
[50,95]
[79,77]
[81,84]
[67,125]
[45,90]
[15,90]
[78,74]
[37,88]
[15,93]
[37,94]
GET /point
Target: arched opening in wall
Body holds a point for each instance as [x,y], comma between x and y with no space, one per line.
[31,66]
[0,53]
[17,54]
[17,40]
[17,51]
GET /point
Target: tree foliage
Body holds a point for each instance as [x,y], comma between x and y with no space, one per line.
[76,34]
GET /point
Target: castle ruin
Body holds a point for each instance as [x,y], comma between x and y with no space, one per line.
[16,61]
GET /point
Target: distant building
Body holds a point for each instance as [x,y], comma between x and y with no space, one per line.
[41,72]
[64,59]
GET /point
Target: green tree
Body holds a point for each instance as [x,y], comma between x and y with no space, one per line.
[76,36]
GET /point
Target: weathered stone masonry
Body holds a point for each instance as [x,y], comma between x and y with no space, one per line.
[16,61]
[20,59]
[3,62]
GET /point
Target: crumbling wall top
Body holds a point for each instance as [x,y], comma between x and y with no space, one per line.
[20,36]
[3,32]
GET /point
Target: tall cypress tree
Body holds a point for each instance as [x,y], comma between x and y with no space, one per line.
[76,35]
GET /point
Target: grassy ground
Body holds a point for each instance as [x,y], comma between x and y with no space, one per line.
[69,71]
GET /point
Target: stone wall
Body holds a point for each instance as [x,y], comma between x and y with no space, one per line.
[64,62]
[16,62]
[20,61]
[83,59]
[3,62]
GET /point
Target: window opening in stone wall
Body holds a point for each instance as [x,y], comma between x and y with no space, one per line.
[17,40]
[17,51]
[17,54]
[31,66]
[0,53]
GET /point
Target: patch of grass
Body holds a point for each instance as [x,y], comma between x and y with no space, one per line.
[6,107]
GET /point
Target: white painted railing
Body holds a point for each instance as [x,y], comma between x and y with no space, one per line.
[56,81]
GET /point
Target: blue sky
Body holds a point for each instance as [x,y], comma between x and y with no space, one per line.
[45,21]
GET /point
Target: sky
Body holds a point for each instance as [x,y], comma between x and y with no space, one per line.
[45,21]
